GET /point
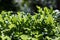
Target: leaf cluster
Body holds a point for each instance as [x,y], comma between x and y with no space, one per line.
[23,26]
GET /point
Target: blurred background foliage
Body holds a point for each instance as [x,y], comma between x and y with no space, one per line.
[27,5]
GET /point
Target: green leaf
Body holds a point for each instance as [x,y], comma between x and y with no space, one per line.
[11,26]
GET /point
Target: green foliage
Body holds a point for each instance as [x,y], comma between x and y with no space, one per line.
[22,26]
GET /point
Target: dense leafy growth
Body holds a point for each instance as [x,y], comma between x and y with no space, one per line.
[22,26]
